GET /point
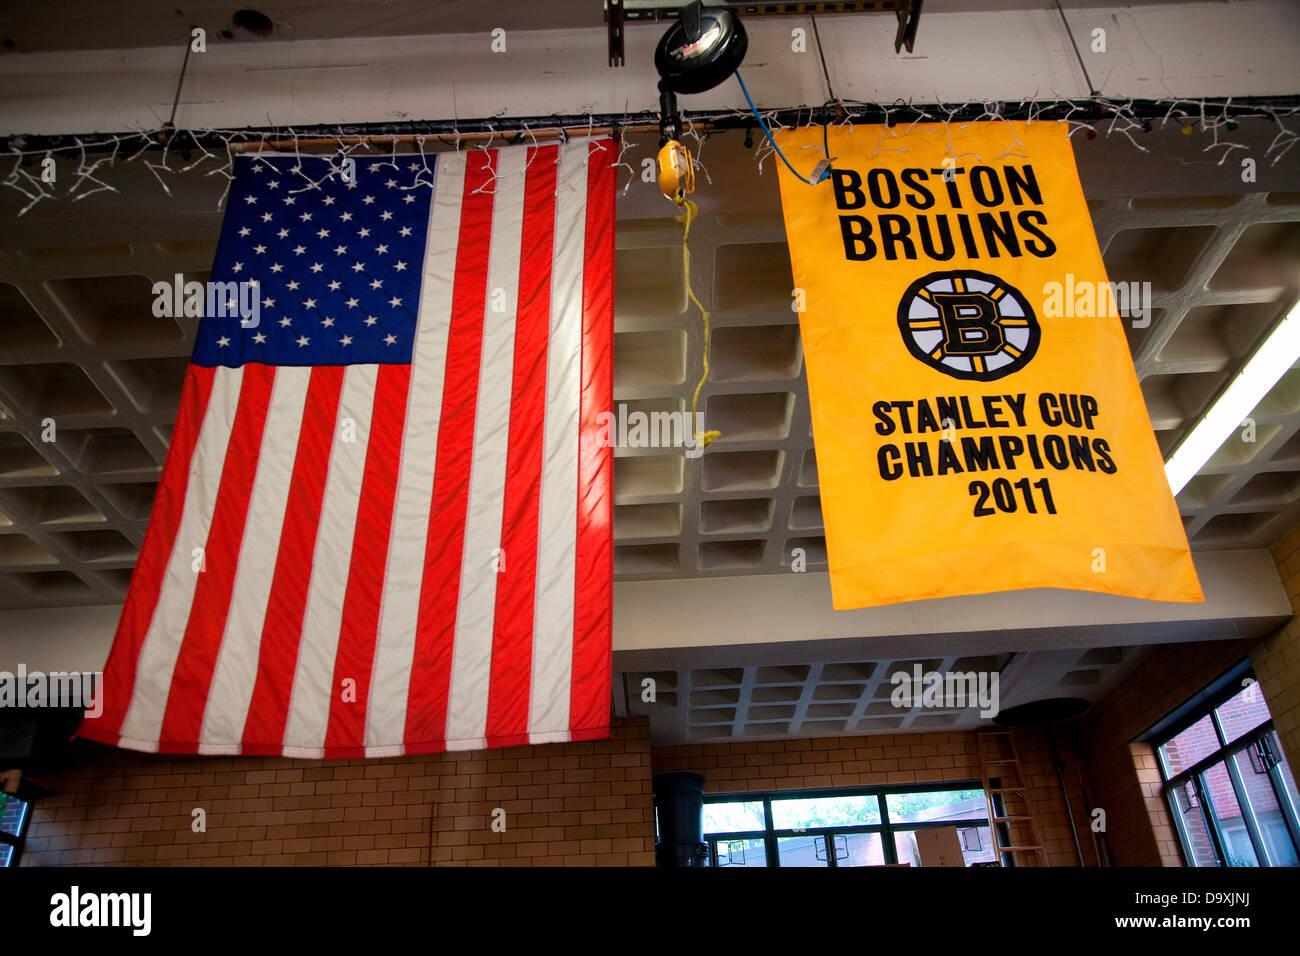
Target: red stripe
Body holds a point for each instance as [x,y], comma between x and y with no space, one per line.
[282,629]
[355,657]
[426,707]
[590,689]
[512,638]
[159,540]
[192,675]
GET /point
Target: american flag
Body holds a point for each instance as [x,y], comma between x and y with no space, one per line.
[384,523]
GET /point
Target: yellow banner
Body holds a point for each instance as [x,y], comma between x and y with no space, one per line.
[976,414]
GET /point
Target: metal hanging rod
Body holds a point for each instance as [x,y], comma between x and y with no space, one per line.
[526,129]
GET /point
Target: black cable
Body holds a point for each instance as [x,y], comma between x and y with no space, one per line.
[1092,91]
[826,146]
[171,120]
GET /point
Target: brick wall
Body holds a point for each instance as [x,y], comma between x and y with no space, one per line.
[885,760]
[582,804]
[1125,775]
[1277,659]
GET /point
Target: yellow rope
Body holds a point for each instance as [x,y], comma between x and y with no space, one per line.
[702,438]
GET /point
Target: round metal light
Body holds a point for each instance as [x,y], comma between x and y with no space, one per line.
[700,50]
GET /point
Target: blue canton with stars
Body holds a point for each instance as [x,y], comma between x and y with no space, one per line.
[337,264]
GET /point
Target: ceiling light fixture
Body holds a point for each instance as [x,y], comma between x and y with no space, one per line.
[699,51]
[1262,371]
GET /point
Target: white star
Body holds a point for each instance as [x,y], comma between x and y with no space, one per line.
[268,303]
[381,248]
[223,341]
[368,200]
[273,184]
[371,320]
[293,285]
[283,233]
[257,167]
[316,267]
[259,249]
[352,185]
[329,200]
[245,231]
[357,267]
[363,233]
[276,267]
[302,340]
[266,217]
[299,250]
[284,323]
[346,340]
[251,200]
[391,183]
[414,167]
[409,198]
[327,321]
[401,266]
[394,302]
[309,303]
[405,231]
[237,267]
[390,339]
[377,284]
[290,200]
[339,250]
[346,216]
[259,338]
[323,233]
[351,303]
[386,215]
[334,286]
[305,217]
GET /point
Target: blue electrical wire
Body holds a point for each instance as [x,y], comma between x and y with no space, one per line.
[826,173]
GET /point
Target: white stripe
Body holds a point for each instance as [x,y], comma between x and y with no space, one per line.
[313,679]
[400,601]
[235,672]
[557,526]
[162,642]
[471,662]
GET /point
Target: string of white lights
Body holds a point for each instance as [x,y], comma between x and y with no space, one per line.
[168,153]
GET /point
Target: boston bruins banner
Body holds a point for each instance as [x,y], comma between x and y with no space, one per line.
[976,415]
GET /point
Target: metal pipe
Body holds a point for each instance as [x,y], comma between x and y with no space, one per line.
[1059,767]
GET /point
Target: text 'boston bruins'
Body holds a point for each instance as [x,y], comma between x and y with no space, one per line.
[981,234]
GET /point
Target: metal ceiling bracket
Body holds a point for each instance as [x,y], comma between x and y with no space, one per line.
[909,15]
[614,20]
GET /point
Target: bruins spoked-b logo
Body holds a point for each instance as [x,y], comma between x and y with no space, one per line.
[968,324]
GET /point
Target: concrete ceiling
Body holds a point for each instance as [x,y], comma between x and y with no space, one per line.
[108,24]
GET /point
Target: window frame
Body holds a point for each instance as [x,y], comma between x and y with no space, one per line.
[771,834]
[1206,704]
[27,795]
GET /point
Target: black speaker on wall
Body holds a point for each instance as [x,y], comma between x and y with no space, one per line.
[679,803]
[38,740]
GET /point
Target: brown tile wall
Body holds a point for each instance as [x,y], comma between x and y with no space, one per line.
[584,804]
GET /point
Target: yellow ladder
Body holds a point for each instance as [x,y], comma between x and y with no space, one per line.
[1012,788]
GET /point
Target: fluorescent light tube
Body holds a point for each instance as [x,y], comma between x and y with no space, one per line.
[1256,379]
